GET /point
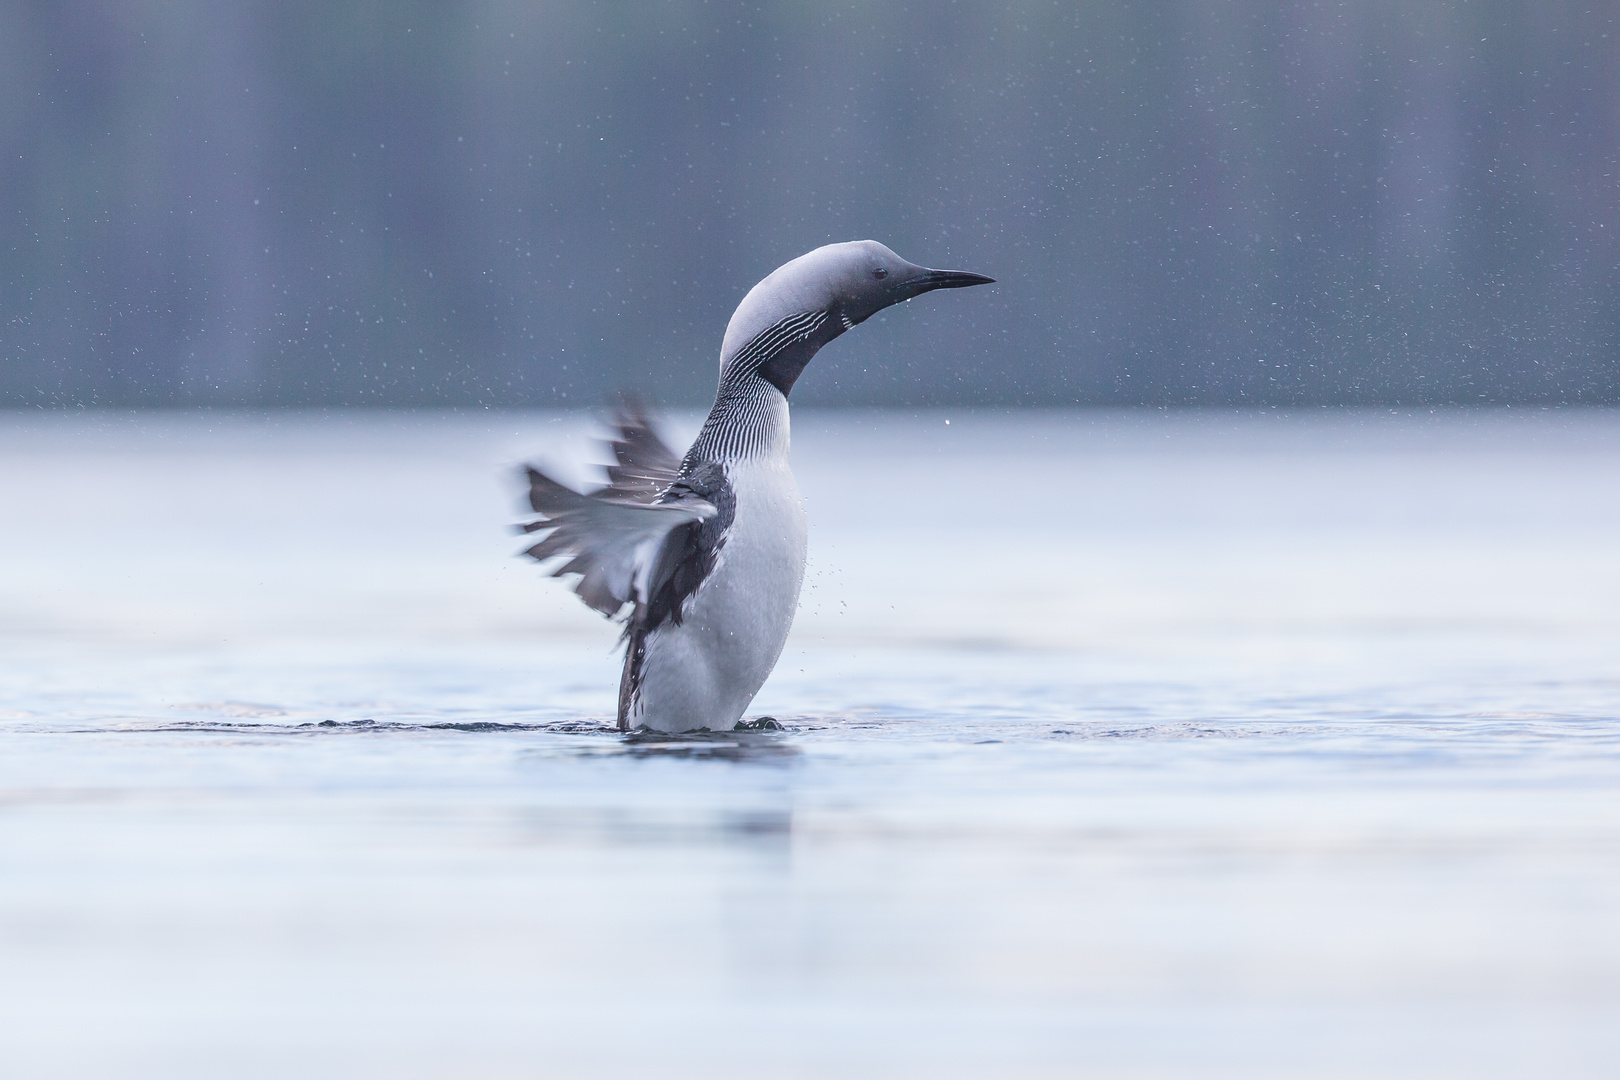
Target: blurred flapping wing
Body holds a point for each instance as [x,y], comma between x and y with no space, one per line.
[644,465]
[611,538]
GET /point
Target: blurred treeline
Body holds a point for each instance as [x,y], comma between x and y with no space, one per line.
[508,202]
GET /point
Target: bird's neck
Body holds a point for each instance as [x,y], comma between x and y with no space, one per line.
[749,420]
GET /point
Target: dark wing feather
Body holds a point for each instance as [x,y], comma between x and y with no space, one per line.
[650,537]
[644,465]
[614,545]
[683,563]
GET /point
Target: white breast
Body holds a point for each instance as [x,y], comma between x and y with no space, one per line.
[704,672]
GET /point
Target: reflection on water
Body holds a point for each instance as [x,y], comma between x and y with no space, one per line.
[757,747]
[1254,745]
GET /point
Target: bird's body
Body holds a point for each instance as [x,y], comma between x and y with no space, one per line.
[710,549]
[704,671]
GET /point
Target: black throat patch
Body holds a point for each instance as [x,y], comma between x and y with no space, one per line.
[782,356]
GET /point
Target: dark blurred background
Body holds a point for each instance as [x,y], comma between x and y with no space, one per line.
[272,202]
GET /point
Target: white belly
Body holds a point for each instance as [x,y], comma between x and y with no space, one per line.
[704,672]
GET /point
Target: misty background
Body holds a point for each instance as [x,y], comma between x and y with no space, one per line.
[508,203]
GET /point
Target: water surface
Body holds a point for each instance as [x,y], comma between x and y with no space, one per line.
[1126,744]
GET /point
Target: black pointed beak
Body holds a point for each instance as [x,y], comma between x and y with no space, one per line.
[929,280]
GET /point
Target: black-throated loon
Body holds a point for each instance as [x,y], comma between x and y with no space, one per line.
[709,549]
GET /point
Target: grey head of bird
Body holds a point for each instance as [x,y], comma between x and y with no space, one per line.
[805,303]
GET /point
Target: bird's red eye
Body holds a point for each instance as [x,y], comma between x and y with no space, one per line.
[880,273]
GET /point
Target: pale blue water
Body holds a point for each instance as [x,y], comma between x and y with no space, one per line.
[1117,744]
